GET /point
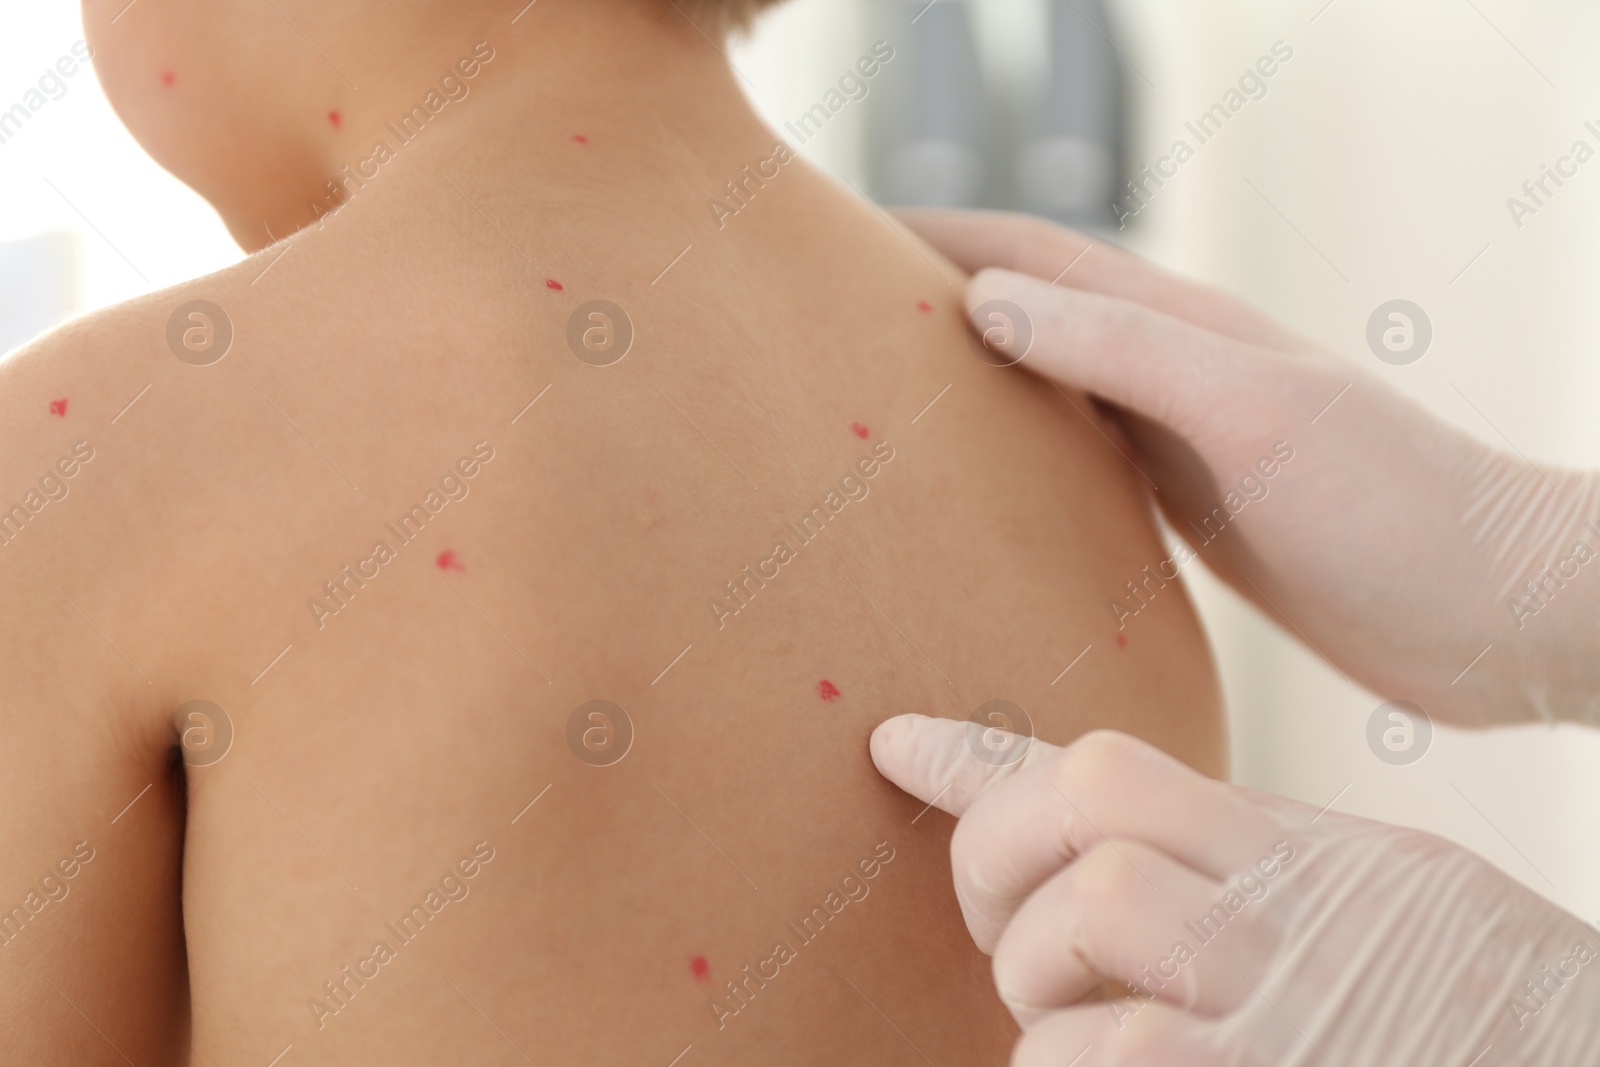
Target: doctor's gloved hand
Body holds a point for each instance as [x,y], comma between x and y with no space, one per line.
[1400,548]
[1251,931]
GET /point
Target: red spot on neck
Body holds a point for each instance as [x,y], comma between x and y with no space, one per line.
[580,138]
[1122,640]
[924,307]
[447,561]
[167,77]
[58,408]
[551,283]
[700,968]
[335,119]
[860,430]
[827,691]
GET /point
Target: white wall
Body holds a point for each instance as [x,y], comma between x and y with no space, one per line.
[41,283]
[152,231]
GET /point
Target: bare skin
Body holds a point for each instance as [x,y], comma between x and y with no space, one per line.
[403,736]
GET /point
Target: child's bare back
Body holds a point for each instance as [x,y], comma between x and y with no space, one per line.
[522,554]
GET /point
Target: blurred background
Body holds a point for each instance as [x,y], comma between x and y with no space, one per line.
[1374,164]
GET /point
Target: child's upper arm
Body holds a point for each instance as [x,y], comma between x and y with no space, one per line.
[91,826]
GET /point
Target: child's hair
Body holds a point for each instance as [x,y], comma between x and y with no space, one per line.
[723,16]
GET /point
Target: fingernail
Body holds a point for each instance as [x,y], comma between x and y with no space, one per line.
[997,281]
[889,740]
[1025,1014]
[1004,330]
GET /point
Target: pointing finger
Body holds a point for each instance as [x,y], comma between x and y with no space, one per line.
[934,760]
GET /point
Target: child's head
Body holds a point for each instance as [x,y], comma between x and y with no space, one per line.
[242,99]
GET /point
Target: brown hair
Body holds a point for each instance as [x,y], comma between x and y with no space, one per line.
[723,16]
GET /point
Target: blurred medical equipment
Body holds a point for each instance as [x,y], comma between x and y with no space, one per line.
[946,134]
[932,139]
[1068,166]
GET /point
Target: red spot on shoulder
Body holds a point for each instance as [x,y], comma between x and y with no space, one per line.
[580,138]
[335,119]
[59,408]
[700,968]
[827,691]
[860,430]
[551,283]
[924,307]
[1122,640]
[167,77]
[447,561]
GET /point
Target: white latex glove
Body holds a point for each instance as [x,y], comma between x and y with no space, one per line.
[1395,545]
[1254,931]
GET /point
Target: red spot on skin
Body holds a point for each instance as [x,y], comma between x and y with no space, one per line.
[334,119]
[827,691]
[580,138]
[167,77]
[551,283]
[700,968]
[447,562]
[58,408]
[860,430]
[924,307]
[1122,640]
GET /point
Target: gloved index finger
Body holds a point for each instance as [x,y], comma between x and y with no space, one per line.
[914,752]
[975,240]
